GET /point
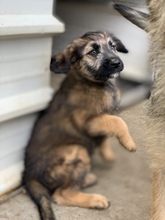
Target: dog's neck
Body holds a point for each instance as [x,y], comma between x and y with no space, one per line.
[78,77]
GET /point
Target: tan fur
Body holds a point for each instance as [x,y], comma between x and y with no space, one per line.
[156,108]
[106,152]
[72,197]
[112,126]
[89,180]
[154,24]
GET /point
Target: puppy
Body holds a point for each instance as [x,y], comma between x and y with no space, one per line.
[154,24]
[78,120]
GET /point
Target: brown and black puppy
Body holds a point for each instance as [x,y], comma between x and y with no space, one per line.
[78,120]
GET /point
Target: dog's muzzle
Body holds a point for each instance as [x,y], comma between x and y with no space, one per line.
[116,66]
[110,68]
[115,63]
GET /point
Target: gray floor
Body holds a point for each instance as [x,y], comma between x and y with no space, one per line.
[126,183]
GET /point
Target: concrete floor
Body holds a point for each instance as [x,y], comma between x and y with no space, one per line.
[126,183]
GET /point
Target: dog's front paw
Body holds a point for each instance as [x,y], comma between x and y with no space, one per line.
[99,202]
[131,145]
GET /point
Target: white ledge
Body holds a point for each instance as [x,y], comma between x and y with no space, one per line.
[16,106]
[13,25]
[10,177]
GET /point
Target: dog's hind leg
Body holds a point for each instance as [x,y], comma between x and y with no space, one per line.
[73,197]
[106,152]
[89,180]
[111,126]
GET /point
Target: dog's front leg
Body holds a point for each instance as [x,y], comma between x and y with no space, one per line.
[111,126]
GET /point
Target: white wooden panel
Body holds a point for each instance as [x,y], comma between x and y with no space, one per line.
[26,29]
[15,126]
[12,157]
[10,177]
[26,7]
[23,57]
[20,25]
[15,106]
[24,85]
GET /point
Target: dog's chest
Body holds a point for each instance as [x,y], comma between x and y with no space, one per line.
[102,99]
[109,101]
[96,98]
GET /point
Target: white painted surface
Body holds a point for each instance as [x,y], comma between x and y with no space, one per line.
[14,135]
[26,29]
[13,25]
[15,106]
[24,7]
[10,177]
[24,65]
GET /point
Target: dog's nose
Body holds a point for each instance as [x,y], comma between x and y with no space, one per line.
[115,62]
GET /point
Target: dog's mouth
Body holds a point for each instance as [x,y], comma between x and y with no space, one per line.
[102,77]
[109,71]
[114,75]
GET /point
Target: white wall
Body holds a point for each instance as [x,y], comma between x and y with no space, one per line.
[26,30]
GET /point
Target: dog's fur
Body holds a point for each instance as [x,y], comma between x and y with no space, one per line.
[155,26]
[79,119]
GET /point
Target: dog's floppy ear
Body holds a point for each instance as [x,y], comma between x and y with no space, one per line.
[61,62]
[138,18]
[118,44]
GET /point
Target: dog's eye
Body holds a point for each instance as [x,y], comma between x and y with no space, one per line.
[113,47]
[93,52]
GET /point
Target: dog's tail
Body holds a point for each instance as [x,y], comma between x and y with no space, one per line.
[41,197]
[138,18]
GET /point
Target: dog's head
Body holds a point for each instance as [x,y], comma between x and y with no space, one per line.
[93,56]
